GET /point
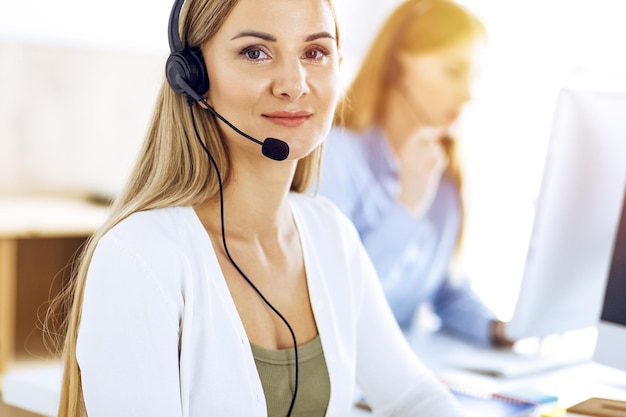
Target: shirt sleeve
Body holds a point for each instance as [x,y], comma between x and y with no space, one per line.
[128,338]
[461,311]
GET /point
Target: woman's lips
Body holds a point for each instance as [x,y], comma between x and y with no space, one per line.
[289,119]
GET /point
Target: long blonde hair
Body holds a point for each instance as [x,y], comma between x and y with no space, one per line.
[172,170]
[414,27]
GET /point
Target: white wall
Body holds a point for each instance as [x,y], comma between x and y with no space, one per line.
[115,24]
[72,119]
[78,82]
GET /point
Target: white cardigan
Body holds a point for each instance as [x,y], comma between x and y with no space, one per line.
[160,334]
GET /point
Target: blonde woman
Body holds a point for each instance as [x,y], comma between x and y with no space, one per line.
[216,287]
[392,168]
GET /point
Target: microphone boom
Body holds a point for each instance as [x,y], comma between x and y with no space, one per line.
[273,148]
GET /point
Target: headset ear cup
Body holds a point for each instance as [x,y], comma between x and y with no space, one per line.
[198,76]
[187,64]
[176,67]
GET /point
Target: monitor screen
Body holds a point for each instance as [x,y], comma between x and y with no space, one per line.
[576,215]
[611,342]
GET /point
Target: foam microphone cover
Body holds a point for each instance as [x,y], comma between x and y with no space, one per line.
[275,149]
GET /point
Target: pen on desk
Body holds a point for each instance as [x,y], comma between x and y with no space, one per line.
[554,412]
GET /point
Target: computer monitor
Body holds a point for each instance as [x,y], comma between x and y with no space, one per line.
[611,342]
[576,215]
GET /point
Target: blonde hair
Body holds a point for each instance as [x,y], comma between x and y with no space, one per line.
[414,27]
[172,170]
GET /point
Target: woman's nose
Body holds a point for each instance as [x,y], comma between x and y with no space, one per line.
[291,80]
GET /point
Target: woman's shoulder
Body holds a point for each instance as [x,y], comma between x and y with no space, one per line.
[163,242]
[153,221]
[321,215]
[152,227]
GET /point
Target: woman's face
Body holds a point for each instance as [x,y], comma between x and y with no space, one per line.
[273,69]
[437,84]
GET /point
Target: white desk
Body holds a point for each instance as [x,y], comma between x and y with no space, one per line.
[35,388]
[574,379]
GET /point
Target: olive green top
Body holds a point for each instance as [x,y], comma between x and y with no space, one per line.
[277,370]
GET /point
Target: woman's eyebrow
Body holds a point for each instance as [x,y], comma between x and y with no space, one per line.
[255,34]
[270,38]
[319,35]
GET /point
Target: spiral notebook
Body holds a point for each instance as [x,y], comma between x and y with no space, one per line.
[493,405]
[477,404]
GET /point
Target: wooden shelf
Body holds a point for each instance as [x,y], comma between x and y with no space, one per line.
[39,238]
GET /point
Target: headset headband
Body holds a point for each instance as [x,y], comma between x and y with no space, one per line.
[185,69]
[176,45]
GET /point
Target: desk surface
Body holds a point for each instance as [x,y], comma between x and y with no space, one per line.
[48,216]
[563,368]
[34,387]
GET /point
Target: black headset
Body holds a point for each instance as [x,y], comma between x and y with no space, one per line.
[185,69]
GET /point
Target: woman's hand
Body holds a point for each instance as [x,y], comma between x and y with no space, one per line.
[498,335]
[422,162]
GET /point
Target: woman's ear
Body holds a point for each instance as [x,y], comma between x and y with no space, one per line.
[396,66]
[393,70]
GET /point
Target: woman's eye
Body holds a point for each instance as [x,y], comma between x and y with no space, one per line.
[312,54]
[457,72]
[254,54]
[316,54]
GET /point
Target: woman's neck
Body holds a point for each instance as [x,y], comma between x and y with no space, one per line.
[255,201]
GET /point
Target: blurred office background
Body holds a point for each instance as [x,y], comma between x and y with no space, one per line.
[78,80]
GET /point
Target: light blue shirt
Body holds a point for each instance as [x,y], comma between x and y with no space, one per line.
[412,256]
